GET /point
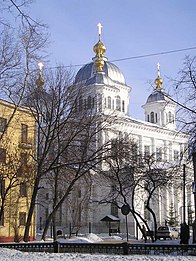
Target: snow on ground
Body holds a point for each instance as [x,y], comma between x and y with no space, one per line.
[90,238]
[14,255]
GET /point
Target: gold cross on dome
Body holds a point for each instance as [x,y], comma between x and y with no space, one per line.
[99,28]
[40,65]
[158,68]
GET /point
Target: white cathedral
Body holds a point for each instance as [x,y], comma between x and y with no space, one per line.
[156,135]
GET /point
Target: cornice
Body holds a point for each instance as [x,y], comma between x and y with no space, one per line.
[134,124]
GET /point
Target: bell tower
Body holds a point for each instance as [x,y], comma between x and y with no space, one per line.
[159,108]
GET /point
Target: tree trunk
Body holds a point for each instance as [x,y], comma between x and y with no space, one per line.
[31,209]
[155,223]
[54,204]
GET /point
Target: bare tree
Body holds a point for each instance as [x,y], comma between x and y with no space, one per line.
[22,43]
[185,92]
[67,139]
[123,171]
[133,179]
[82,157]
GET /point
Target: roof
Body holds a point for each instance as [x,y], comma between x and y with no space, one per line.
[157,96]
[88,71]
[111,218]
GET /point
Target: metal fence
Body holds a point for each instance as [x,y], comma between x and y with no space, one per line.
[104,248]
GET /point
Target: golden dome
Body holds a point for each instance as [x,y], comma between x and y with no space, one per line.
[158,81]
[99,49]
[40,81]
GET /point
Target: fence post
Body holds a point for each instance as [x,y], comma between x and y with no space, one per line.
[56,246]
[125,248]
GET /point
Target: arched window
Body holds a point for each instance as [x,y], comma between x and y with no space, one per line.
[156,117]
[112,104]
[89,102]
[93,102]
[152,117]
[172,118]
[85,105]
[123,106]
[75,106]
[159,154]
[80,103]
[148,118]
[169,117]
[109,102]
[118,105]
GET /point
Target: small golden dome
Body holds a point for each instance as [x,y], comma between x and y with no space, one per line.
[40,81]
[99,49]
[158,81]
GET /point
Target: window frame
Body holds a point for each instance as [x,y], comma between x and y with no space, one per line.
[118,103]
[3,124]
[2,219]
[109,102]
[22,218]
[152,119]
[24,133]
[146,151]
[123,106]
[159,154]
[176,155]
[3,155]
[23,189]
[89,102]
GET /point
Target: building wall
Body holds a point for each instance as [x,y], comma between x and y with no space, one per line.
[18,170]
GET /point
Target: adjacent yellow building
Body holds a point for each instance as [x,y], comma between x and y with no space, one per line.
[17,170]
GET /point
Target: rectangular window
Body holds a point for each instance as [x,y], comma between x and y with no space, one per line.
[22,218]
[23,189]
[93,102]
[23,164]
[176,155]
[23,159]
[60,215]
[24,133]
[2,155]
[114,210]
[79,193]
[2,219]
[3,123]
[159,154]
[2,187]
[123,106]
[83,147]
[79,216]
[146,151]
[47,196]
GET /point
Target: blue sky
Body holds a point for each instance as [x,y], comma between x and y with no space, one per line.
[130,28]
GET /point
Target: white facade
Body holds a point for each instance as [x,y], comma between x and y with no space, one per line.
[156,135]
